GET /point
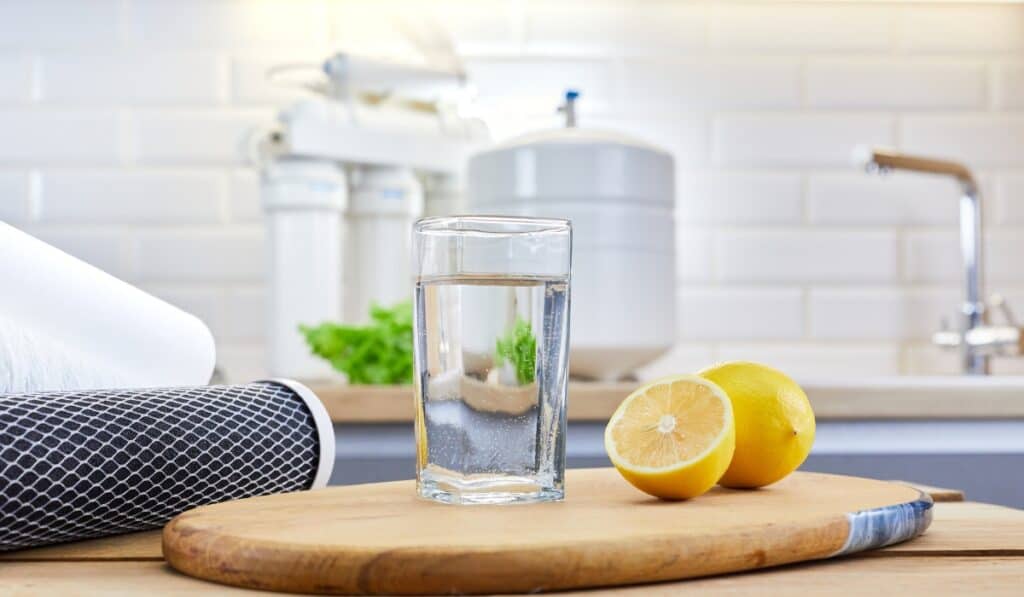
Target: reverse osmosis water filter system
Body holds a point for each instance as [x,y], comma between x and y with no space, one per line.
[345,174]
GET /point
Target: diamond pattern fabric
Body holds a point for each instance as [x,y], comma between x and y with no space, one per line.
[75,465]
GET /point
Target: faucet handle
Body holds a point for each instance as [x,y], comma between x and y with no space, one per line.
[999,302]
[946,337]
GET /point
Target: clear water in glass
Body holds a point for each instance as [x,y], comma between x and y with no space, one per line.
[491,364]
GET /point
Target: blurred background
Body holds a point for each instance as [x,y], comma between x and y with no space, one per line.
[130,129]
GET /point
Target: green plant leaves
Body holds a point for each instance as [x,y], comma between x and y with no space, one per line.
[518,347]
[378,353]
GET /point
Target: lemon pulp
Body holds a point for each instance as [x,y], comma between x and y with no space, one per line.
[672,438]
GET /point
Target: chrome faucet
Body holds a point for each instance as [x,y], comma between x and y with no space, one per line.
[976,339]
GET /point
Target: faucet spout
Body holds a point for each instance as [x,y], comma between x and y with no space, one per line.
[884,160]
[974,315]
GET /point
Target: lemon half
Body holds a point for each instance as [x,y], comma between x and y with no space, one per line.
[774,422]
[672,438]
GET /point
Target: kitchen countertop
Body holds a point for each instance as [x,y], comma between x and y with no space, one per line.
[971,548]
[873,399]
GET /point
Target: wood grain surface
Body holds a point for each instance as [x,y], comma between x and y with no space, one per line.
[962,528]
[131,546]
[858,577]
[596,402]
[938,494]
[926,575]
[968,528]
[381,539]
[964,537]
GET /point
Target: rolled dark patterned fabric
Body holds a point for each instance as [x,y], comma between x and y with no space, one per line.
[76,465]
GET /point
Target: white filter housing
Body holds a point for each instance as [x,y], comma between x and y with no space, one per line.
[384,203]
[303,200]
[619,194]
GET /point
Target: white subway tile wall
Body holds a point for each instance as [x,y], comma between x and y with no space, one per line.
[41,136]
[710,84]
[168,197]
[990,139]
[107,249]
[880,84]
[15,208]
[943,29]
[126,123]
[613,27]
[793,255]
[901,199]
[795,139]
[741,313]
[738,197]
[116,77]
[878,313]
[218,136]
[500,82]
[801,26]
[1009,85]
[193,255]
[15,77]
[1011,199]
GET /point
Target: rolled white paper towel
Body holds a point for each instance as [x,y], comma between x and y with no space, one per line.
[66,325]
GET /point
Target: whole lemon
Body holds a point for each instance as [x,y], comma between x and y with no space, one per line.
[774,422]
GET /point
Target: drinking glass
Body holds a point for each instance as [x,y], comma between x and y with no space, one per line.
[491,327]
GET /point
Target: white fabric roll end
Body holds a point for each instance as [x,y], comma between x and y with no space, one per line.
[324,429]
[67,325]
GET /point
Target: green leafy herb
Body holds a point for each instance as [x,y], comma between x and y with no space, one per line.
[378,353]
[518,347]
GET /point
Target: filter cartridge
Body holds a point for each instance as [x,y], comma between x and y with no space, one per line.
[75,465]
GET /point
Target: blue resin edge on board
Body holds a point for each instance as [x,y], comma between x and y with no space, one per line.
[879,527]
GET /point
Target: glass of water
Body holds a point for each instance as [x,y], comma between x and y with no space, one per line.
[492,335]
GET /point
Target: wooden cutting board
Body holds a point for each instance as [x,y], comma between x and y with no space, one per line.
[380,538]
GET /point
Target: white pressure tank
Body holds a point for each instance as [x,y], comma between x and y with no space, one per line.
[619,193]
